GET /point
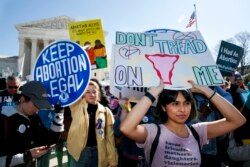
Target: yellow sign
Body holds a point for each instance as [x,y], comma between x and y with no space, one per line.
[89,34]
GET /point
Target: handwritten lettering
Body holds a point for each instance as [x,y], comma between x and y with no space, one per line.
[129,76]
[207,75]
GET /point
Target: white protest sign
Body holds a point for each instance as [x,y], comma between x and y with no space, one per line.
[142,59]
[64,68]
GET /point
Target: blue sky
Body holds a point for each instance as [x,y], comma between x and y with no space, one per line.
[217,19]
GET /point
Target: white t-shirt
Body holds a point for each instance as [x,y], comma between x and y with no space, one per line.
[172,150]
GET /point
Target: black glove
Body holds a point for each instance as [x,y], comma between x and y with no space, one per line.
[58,108]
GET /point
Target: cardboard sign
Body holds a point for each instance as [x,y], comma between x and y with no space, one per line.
[142,59]
[90,35]
[64,68]
[229,57]
[245,96]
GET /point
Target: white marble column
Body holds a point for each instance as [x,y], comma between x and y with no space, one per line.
[45,43]
[21,56]
[21,46]
[33,54]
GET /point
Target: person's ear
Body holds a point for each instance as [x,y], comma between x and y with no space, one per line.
[22,99]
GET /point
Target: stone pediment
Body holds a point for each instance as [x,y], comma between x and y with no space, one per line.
[60,22]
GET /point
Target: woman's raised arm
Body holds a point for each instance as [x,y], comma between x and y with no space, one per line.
[130,125]
[232,117]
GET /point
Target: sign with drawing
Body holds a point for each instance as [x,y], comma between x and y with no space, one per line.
[90,34]
[142,59]
[64,68]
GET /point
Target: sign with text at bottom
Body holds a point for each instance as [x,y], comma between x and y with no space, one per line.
[64,68]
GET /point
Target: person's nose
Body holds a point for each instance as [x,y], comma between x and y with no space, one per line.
[182,108]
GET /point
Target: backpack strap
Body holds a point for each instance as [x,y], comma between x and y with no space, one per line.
[154,144]
[196,136]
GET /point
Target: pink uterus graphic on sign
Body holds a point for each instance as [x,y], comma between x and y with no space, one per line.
[163,65]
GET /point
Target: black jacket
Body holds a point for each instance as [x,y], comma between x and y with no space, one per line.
[19,133]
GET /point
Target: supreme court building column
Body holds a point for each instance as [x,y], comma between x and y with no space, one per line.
[21,56]
[33,53]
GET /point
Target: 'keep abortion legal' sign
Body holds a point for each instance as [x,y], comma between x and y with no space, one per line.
[64,68]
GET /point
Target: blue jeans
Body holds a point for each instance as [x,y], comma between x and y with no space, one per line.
[88,158]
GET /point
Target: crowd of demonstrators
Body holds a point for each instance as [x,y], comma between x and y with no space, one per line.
[97,120]
[23,136]
[46,117]
[129,154]
[239,145]
[229,150]
[90,139]
[177,145]
[11,95]
[207,112]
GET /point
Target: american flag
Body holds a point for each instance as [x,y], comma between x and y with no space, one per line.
[191,20]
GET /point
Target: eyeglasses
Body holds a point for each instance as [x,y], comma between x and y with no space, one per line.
[13,87]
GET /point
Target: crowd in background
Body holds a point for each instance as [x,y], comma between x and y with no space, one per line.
[107,133]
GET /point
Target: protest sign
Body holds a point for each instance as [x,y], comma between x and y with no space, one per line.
[90,34]
[229,57]
[134,94]
[64,68]
[142,59]
[245,96]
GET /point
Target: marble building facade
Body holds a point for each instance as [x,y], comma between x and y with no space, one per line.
[36,35]
[8,66]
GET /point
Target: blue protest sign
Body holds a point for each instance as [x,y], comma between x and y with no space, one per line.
[64,68]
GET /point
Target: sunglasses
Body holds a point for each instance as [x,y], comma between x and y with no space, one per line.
[13,87]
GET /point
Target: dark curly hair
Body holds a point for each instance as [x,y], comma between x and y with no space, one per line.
[169,96]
